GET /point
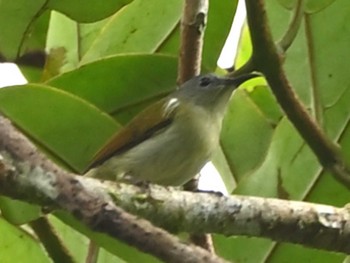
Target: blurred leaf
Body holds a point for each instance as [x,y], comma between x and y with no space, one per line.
[37,38]
[220,161]
[18,212]
[136,29]
[286,157]
[266,102]
[113,87]
[220,17]
[33,55]
[87,11]
[235,249]
[64,125]
[16,243]
[289,168]
[245,47]
[286,253]
[77,243]
[17,18]
[311,6]
[62,45]
[123,251]
[246,135]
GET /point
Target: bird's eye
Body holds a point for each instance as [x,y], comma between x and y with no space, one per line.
[204,81]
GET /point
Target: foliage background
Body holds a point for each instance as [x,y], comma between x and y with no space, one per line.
[107,61]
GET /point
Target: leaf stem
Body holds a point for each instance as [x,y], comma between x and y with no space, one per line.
[293,27]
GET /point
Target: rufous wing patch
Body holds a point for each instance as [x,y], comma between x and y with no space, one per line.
[150,121]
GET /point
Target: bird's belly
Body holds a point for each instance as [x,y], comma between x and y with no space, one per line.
[170,158]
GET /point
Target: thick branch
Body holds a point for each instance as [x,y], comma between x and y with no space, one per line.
[27,175]
[313,225]
[31,179]
[267,60]
[192,31]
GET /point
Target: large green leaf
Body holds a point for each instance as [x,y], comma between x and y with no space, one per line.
[17,17]
[68,127]
[112,245]
[220,17]
[87,11]
[246,135]
[112,86]
[18,212]
[17,245]
[140,27]
[71,43]
[132,30]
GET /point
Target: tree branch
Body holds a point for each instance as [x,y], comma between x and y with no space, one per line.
[27,175]
[193,23]
[313,225]
[50,241]
[267,60]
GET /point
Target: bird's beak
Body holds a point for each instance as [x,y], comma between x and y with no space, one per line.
[236,81]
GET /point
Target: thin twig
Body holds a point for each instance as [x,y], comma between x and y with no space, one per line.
[93,251]
[50,241]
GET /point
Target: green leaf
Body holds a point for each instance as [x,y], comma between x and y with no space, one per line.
[87,11]
[220,162]
[77,244]
[62,45]
[113,87]
[286,157]
[136,28]
[32,59]
[64,125]
[311,6]
[220,17]
[245,49]
[14,23]
[286,253]
[18,16]
[112,245]
[246,135]
[18,212]
[15,242]
[235,249]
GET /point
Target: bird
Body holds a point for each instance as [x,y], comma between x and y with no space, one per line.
[170,141]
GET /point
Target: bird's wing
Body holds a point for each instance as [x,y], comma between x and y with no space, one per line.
[143,126]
